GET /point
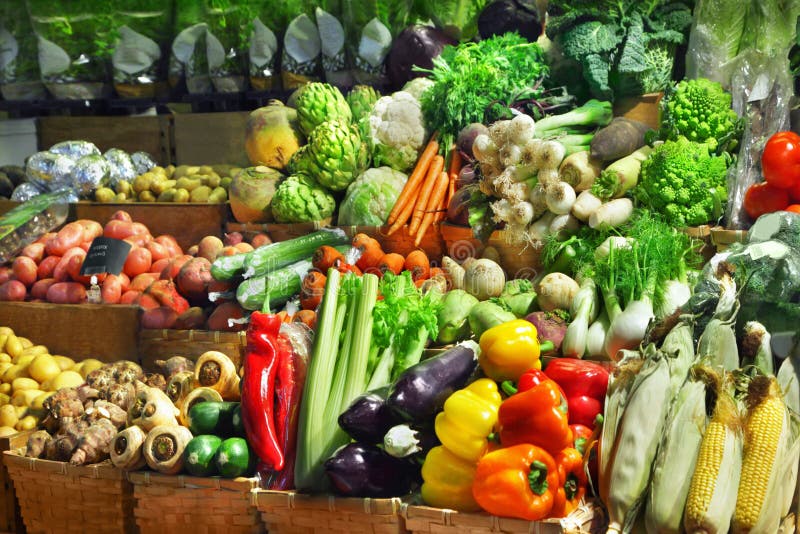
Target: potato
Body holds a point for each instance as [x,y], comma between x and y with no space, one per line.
[5,389]
[192,319]
[214,181]
[159,318]
[8,415]
[218,320]
[13,346]
[218,195]
[5,358]
[24,397]
[3,339]
[193,280]
[104,194]
[143,182]
[35,350]
[121,197]
[169,170]
[70,236]
[209,247]
[181,195]
[12,291]
[39,289]
[21,384]
[5,331]
[21,410]
[24,361]
[44,367]
[200,195]
[244,247]
[124,188]
[146,196]
[26,343]
[167,196]
[66,293]
[67,379]
[38,402]
[4,367]
[34,251]
[87,366]
[6,431]
[24,269]
[189,184]
[163,185]
[28,422]
[179,172]
[64,363]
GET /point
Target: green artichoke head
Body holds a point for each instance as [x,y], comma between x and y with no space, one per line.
[319,102]
[299,198]
[361,99]
[336,154]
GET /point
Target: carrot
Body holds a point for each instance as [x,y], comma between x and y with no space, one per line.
[425,194]
[404,216]
[325,257]
[415,180]
[455,168]
[312,289]
[371,251]
[307,317]
[434,205]
[391,262]
[418,263]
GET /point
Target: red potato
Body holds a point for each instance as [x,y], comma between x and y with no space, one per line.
[158,251]
[60,272]
[219,286]
[139,261]
[232,239]
[148,302]
[46,237]
[126,282]
[171,244]
[70,236]
[159,265]
[260,240]
[12,291]
[193,280]
[121,215]
[142,282]
[24,270]
[158,318]
[34,251]
[66,293]
[47,266]
[91,229]
[165,293]
[191,319]
[39,289]
[111,290]
[74,269]
[209,247]
[5,274]
[86,245]
[218,320]
[244,247]
[131,297]
[172,270]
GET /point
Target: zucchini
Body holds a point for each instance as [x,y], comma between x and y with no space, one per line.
[234,458]
[227,268]
[276,288]
[200,453]
[265,260]
[212,418]
[237,422]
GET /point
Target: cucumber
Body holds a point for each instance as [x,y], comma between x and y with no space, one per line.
[212,418]
[237,422]
[278,286]
[234,458]
[265,260]
[200,454]
[228,267]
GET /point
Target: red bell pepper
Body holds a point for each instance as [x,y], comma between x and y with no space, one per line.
[582,440]
[584,384]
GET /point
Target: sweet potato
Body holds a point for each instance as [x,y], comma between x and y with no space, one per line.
[12,291]
[148,302]
[142,282]
[24,270]
[218,320]
[172,270]
[111,290]
[66,293]
[34,251]
[260,240]
[165,293]
[193,280]
[91,229]
[171,243]
[192,319]
[46,267]
[70,236]
[39,289]
[5,274]
[158,251]
[209,247]
[121,215]
[159,265]
[130,297]
[244,247]
[139,261]
[158,318]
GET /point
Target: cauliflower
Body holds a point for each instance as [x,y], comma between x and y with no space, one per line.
[699,110]
[683,181]
[397,131]
[299,198]
[417,86]
[371,196]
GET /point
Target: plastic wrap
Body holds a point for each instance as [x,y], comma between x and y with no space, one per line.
[187,62]
[20,78]
[141,52]
[227,42]
[28,222]
[714,39]
[268,27]
[76,40]
[302,48]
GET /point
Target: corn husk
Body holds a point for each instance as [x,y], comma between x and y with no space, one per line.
[227,384]
[679,345]
[717,344]
[789,382]
[636,442]
[756,347]
[676,458]
[717,517]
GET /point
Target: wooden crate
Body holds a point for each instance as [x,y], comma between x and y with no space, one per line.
[10,517]
[519,261]
[589,518]
[58,497]
[210,138]
[107,332]
[163,344]
[150,134]
[286,512]
[195,505]
[188,223]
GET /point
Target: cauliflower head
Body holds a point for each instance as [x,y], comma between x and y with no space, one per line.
[299,198]
[700,110]
[371,196]
[683,181]
[397,131]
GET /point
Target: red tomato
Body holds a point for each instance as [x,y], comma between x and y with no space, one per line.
[794,208]
[763,198]
[780,161]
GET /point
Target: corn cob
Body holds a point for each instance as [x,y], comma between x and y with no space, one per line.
[760,497]
[679,344]
[717,343]
[756,347]
[711,498]
[789,382]
[636,441]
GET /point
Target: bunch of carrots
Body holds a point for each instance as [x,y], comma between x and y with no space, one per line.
[372,260]
[427,192]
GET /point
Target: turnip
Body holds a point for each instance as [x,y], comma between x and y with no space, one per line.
[549,327]
[484,279]
[556,291]
[579,170]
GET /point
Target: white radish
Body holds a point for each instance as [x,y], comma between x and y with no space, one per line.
[612,214]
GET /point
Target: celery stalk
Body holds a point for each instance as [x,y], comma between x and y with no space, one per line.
[361,341]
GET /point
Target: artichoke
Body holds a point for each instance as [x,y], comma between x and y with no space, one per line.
[361,100]
[334,156]
[300,199]
[320,102]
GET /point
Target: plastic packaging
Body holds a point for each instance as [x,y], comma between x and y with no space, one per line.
[268,27]
[30,221]
[20,78]
[188,66]
[714,39]
[302,48]
[329,17]
[227,42]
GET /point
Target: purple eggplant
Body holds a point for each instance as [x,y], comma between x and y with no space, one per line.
[420,391]
[368,418]
[363,470]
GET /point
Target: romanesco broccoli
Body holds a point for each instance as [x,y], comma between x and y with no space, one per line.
[700,110]
[683,181]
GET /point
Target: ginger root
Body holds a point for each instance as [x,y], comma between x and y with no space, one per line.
[37,444]
[93,445]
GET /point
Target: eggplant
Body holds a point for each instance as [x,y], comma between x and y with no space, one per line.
[364,470]
[420,391]
[368,418]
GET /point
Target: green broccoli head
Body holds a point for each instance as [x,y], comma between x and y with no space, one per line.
[699,110]
[683,181]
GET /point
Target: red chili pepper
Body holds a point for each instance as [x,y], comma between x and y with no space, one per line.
[584,384]
[780,161]
[261,363]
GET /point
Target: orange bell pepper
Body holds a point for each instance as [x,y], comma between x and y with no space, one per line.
[520,481]
[572,482]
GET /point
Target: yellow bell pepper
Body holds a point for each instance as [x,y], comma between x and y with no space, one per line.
[510,349]
[463,427]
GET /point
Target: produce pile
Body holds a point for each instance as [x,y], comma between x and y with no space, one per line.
[184,183]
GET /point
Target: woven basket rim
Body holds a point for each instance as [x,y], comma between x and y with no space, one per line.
[104,470]
[290,500]
[153,478]
[195,336]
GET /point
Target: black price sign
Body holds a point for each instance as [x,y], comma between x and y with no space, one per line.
[105,255]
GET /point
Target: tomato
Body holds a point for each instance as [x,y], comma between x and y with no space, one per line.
[780,161]
[794,208]
[763,198]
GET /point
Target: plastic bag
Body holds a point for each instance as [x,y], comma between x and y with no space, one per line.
[75,42]
[227,43]
[268,26]
[141,51]
[20,78]
[188,65]
[300,59]
[30,221]
[714,40]
[328,15]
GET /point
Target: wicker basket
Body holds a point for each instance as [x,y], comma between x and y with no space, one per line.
[163,344]
[287,512]
[590,518]
[10,518]
[198,505]
[58,497]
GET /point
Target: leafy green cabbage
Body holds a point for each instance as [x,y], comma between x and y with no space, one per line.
[371,196]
